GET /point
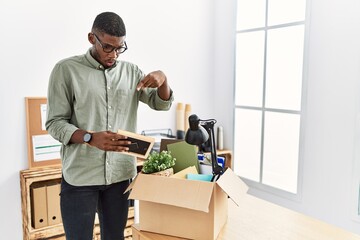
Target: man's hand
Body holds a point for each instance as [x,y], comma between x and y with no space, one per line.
[109,141]
[156,79]
[152,80]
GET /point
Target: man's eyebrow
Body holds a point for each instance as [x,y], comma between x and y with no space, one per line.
[121,45]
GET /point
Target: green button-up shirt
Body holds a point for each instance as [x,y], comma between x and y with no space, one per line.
[83,94]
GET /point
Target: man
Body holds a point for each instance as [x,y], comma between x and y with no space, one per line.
[90,97]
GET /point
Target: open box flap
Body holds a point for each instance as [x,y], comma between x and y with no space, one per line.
[234,187]
[194,195]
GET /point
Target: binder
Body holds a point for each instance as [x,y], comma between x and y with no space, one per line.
[53,204]
[185,154]
[39,207]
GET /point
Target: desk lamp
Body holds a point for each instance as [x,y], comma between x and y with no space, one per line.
[199,132]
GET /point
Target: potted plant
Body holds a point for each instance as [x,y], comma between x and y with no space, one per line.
[159,163]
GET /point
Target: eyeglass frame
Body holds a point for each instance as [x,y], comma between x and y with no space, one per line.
[118,50]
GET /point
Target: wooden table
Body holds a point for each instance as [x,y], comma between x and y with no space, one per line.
[256,219]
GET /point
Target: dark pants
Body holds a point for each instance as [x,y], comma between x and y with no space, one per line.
[79,204]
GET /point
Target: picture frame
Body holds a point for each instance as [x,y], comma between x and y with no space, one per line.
[141,145]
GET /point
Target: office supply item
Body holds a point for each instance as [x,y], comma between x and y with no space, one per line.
[185,154]
[201,131]
[187,115]
[183,173]
[38,139]
[227,154]
[53,203]
[205,169]
[166,141]
[220,138]
[39,206]
[221,161]
[159,135]
[205,158]
[205,164]
[180,116]
[140,145]
[199,177]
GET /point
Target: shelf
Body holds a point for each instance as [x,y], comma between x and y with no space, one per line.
[227,154]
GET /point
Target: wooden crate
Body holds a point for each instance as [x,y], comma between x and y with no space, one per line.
[53,232]
[28,177]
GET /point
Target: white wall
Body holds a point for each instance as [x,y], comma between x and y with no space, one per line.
[332,106]
[193,42]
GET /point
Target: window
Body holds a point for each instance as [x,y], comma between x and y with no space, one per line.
[269,79]
[355,205]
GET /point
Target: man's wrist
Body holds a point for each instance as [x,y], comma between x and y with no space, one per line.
[87,137]
[164,90]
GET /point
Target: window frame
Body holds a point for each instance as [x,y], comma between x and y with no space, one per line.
[355,186]
[258,188]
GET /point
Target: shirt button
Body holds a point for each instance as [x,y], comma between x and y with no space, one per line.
[109,107]
[108,88]
[110,126]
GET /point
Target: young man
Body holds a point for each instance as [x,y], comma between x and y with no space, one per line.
[90,97]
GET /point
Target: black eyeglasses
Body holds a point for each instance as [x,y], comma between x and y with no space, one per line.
[108,48]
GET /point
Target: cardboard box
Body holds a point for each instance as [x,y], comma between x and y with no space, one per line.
[185,208]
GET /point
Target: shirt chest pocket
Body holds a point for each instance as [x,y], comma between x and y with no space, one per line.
[123,100]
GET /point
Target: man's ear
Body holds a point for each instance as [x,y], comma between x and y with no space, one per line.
[91,38]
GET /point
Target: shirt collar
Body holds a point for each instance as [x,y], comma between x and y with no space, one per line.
[95,63]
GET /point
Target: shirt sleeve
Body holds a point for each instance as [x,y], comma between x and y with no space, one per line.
[151,97]
[59,102]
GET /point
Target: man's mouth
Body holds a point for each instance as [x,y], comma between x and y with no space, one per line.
[109,63]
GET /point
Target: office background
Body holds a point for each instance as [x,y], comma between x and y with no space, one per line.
[194,43]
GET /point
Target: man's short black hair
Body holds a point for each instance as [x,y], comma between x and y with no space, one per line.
[109,23]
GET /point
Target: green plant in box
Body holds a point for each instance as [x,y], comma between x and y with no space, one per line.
[157,162]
